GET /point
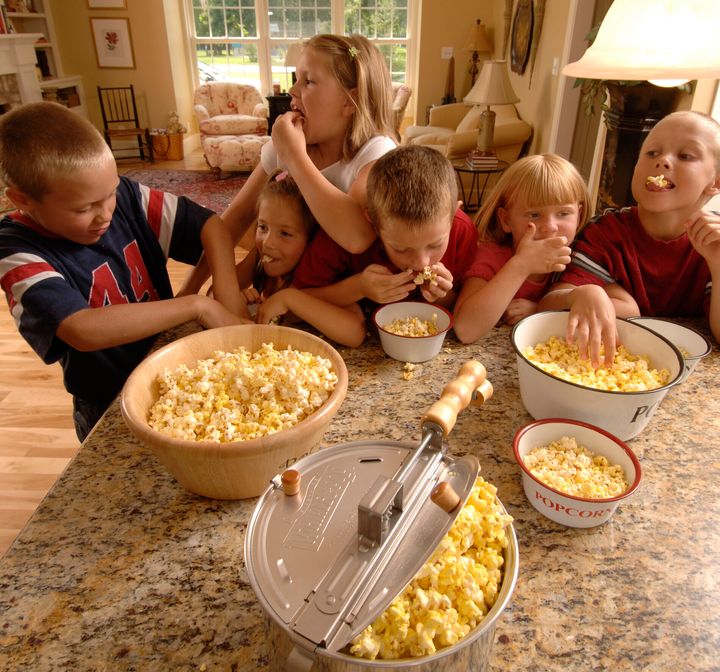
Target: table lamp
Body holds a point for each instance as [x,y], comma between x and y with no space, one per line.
[492,88]
[666,43]
[291,58]
[476,42]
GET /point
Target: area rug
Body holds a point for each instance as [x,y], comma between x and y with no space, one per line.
[198,185]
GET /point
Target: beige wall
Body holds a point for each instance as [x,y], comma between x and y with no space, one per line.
[161,78]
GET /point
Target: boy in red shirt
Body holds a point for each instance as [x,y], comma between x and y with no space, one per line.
[412,203]
[659,257]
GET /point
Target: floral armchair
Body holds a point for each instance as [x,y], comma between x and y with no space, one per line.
[233,125]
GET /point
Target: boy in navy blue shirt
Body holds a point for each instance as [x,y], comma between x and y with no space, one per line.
[83,259]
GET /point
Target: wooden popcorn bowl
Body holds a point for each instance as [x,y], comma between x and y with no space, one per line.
[239,469]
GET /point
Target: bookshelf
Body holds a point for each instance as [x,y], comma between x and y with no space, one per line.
[54,84]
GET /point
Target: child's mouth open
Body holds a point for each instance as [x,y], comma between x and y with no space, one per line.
[658,183]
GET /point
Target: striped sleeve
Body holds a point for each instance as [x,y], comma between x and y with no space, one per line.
[160,208]
[585,263]
[18,273]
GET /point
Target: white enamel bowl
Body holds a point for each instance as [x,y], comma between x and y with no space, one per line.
[624,414]
[412,348]
[563,508]
[684,338]
[238,469]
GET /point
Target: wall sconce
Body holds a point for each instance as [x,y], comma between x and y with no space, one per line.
[291,58]
[492,88]
[666,43]
[476,42]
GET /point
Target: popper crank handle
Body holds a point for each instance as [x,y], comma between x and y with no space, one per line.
[470,387]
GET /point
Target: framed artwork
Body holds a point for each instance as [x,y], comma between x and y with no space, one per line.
[107,4]
[113,45]
[522,30]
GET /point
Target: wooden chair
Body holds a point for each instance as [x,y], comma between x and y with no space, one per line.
[121,123]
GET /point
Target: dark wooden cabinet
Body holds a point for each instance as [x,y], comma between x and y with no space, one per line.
[277,105]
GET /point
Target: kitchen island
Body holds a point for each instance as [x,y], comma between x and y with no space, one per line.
[122,569]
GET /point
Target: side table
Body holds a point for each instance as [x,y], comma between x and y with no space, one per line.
[460,166]
[277,105]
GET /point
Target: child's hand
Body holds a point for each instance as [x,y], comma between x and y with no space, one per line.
[591,323]
[382,286]
[437,289]
[251,295]
[273,307]
[213,314]
[703,230]
[547,255]
[288,136]
[518,309]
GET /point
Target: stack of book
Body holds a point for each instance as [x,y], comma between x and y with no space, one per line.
[479,160]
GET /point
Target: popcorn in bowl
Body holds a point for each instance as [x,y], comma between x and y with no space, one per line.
[628,373]
[412,326]
[452,592]
[573,469]
[241,395]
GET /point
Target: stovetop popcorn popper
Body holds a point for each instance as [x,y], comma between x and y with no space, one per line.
[334,540]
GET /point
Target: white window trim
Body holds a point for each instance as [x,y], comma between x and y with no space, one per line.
[264,42]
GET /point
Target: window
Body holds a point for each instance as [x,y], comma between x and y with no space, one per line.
[247,41]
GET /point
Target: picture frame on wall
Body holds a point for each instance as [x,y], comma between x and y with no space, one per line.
[107,4]
[113,44]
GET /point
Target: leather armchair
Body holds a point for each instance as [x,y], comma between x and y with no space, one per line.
[454,128]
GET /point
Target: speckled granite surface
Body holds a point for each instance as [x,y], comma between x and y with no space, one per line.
[122,569]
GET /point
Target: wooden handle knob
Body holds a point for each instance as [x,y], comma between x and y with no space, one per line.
[290,480]
[456,395]
[444,495]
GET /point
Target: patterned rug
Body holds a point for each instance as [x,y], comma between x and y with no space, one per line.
[198,185]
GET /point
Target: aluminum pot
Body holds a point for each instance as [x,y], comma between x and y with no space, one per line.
[275,589]
[471,653]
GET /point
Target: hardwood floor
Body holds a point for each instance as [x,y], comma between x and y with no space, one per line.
[36,412]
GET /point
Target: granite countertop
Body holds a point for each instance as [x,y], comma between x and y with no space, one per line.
[121,569]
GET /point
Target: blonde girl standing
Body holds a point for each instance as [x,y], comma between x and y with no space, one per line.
[339,123]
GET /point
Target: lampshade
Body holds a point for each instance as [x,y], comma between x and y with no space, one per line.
[293,54]
[492,87]
[477,39]
[654,40]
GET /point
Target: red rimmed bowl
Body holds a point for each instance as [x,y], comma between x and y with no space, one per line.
[561,507]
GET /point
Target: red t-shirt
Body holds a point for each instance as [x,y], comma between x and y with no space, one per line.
[491,257]
[324,262]
[666,278]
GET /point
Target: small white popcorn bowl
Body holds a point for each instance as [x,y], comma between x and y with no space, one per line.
[692,344]
[560,507]
[412,348]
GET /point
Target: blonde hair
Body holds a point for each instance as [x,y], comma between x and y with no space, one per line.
[706,120]
[536,181]
[413,184]
[41,141]
[363,74]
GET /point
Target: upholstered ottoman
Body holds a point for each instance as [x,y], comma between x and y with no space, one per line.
[233,152]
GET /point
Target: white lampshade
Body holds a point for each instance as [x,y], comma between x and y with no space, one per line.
[293,54]
[492,87]
[654,40]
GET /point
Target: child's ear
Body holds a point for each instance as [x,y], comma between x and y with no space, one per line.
[350,106]
[19,198]
[502,218]
[714,187]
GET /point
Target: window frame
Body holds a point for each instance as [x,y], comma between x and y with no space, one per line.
[264,43]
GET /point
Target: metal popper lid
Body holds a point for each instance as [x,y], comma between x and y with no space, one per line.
[327,560]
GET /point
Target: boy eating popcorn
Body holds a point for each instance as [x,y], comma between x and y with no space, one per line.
[413,206]
[661,257]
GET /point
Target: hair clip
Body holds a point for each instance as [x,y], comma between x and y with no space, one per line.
[281,176]
[353,52]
